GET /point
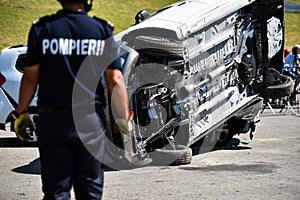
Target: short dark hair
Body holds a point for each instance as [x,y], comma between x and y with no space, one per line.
[87,5]
[72,1]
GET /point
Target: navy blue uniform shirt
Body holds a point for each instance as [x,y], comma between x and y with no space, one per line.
[63,44]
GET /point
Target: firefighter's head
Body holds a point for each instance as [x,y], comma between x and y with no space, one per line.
[87,5]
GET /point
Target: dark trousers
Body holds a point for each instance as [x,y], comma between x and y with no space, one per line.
[66,160]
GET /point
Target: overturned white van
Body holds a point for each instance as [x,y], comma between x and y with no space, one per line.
[199,69]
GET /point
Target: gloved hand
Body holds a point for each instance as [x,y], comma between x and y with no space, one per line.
[23,125]
[125,126]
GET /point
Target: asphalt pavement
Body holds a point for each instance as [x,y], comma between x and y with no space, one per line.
[267,167]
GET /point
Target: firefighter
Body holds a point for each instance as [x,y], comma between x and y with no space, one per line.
[58,50]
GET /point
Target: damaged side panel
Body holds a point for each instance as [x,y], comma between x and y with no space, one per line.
[203,74]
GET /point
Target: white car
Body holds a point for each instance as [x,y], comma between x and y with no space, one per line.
[12,61]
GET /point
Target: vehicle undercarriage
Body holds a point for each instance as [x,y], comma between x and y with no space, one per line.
[205,79]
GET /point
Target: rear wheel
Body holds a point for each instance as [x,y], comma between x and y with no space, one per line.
[281,90]
[156,46]
[182,155]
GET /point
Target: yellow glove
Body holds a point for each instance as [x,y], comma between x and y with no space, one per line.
[23,126]
[125,126]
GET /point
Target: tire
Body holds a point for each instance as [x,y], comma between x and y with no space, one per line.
[156,46]
[181,156]
[281,90]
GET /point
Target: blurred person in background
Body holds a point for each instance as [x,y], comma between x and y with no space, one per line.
[291,68]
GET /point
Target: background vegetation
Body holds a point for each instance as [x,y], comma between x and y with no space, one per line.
[292,27]
[17,16]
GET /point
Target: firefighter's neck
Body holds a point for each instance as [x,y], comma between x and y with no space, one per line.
[78,7]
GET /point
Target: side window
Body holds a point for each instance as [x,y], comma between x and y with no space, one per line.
[20,64]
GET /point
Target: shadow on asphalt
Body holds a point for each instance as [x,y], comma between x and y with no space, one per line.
[14,142]
[234,144]
[258,168]
[34,167]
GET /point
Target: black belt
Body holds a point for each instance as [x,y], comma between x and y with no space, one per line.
[49,110]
